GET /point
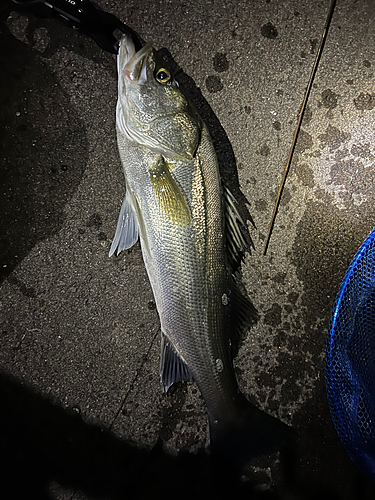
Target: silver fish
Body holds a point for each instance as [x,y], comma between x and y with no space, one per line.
[189,232]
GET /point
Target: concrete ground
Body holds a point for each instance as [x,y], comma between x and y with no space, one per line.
[82,413]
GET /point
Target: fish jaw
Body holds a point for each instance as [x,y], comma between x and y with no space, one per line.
[125,53]
[132,64]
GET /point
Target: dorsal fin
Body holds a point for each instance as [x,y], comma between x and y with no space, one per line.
[235,241]
[172,368]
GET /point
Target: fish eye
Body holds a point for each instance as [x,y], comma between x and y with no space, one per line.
[163,75]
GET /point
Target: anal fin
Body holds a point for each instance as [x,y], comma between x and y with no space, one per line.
[127,226]
[172,368]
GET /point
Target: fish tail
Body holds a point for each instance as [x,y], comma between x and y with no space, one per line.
[247,434]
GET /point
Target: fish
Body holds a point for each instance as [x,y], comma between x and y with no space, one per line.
[189,229]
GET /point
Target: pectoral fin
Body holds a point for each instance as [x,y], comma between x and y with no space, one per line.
[172,368]
[127,226]
[169,195]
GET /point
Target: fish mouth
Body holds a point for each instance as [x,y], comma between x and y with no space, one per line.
[130,63]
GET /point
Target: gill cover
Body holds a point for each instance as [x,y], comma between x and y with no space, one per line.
[151,110]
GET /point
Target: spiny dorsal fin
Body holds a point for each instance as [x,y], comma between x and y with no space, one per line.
[236,244]
[169,195]
[172,368]
[126,234]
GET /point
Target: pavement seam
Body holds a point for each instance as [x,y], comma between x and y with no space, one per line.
[131,386]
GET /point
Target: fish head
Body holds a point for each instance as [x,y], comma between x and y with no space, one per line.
[151,109]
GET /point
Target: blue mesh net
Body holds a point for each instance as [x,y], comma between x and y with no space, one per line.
[350,360]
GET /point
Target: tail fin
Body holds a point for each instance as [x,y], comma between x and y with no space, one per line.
[249,434]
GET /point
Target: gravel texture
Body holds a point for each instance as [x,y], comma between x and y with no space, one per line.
[83,415]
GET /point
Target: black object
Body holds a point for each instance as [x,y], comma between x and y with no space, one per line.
[82,16]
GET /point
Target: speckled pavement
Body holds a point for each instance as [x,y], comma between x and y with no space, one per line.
[83,415]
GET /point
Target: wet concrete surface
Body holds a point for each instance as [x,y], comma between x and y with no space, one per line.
[83,415]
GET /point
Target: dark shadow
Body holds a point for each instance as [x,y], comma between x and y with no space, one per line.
[323,469]
[63,36]
[49,451]
[43,150]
